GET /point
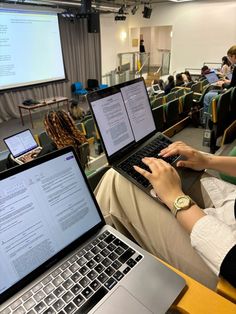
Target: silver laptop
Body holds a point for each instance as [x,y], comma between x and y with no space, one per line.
[156,89]
[212,77]
[22,145]
[127,129]
[57,254]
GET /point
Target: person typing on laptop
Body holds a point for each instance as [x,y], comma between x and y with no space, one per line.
[200,242]
[225,83]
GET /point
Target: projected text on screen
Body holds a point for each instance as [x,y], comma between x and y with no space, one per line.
[30,48]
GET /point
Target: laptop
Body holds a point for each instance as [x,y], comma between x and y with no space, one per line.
[229,76]
[128,132]
[156,89]
[212,77]
[57,254]
[22,146]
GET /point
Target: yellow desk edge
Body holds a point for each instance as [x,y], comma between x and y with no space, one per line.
[198,299]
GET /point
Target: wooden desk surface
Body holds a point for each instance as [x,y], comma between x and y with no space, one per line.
[198,299]
[45,102]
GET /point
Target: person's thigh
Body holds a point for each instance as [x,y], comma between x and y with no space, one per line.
[151,225]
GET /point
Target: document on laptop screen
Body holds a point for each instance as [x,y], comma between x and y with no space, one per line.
[113,122]
[43,209]
[139,110]
[21,143]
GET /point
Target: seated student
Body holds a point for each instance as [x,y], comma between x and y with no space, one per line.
[170,84]
[161,84]
[188,76]
[225,66]
[200,242]
[225,83]
[62,130]
[205,70]
[179,81]
[76,112]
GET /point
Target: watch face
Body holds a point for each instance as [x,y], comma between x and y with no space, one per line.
[183,202]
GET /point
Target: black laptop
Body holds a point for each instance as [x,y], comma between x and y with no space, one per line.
[57,254]
[127,129]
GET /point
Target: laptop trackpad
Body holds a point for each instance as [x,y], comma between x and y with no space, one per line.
[121,301]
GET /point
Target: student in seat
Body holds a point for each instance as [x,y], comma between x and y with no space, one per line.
[179,80]
[170,84]
[195,233]
[61,128]
[225,83]
[225,66]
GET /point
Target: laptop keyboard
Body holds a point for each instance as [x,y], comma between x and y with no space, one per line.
[82,281]
[150,150]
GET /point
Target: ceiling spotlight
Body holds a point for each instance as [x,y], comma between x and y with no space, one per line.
[134,10]
[121,10]
[147,12]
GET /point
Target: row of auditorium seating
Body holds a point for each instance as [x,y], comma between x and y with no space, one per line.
[178,92]
[172,112]
[222,113]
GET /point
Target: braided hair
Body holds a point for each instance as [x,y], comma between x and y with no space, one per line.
[63,131]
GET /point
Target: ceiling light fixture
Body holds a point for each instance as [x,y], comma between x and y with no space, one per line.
[120,18]
[121,10]
[134,9]
[147,11]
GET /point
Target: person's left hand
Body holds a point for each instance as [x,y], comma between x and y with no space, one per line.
[164,179]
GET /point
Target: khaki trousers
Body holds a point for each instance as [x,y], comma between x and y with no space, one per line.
[151,225]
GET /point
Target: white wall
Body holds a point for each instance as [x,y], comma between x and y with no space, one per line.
[111,44]
[201,32]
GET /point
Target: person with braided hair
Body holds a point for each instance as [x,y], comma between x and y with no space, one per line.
[61,128]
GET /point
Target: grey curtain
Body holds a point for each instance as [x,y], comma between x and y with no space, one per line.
[82,57]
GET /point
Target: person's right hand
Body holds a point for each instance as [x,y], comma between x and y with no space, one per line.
[194,159]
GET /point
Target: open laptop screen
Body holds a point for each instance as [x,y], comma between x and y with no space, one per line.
[229,76]
[20,143]
[123,114]
[211,77]
[156,87]
[43,210]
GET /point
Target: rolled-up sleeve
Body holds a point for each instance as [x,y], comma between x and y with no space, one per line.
[213,240]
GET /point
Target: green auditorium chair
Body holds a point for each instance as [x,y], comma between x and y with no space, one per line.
[158,101]
[90,130]
[84,154]
[233,105]
[170,96]
[186,104]
[219,117]
[172,112]
[159,117]
[44,139]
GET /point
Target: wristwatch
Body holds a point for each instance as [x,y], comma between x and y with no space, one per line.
[182,202]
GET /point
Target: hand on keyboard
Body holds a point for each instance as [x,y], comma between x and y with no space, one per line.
[164,179]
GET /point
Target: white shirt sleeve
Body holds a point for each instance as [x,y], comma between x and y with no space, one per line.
[214,235]
[212,239]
